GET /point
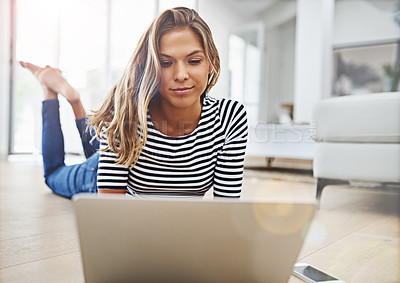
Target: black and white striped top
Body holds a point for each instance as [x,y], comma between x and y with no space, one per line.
[211,156]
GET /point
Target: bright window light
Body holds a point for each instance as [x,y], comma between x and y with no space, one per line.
[91,41]
[167,4]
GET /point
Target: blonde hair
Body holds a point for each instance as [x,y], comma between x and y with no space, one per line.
[123,115]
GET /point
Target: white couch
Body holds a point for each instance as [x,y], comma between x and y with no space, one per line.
[358,139]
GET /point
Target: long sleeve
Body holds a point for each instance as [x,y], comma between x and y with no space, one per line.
[89,144]
[228,175]
[109,174]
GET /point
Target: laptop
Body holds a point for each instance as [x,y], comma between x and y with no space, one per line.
[189,240]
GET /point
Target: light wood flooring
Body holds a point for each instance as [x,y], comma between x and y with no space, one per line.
[354,235]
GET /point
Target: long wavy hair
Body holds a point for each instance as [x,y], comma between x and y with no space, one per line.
[122,118]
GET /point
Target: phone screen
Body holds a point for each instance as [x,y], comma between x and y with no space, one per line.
[314,274]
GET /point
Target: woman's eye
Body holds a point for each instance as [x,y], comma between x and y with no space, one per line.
[166,64]
[195,62]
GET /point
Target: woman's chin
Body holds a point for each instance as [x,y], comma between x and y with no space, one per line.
[184,102]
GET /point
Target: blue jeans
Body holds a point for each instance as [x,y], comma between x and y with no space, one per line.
[67,180]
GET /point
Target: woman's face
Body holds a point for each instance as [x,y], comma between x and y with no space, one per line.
[184,69]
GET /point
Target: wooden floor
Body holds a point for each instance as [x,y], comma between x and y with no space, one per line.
[354,235]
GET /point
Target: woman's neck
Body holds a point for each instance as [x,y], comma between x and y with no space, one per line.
[175,122]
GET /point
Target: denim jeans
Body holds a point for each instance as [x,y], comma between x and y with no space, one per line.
[66,180]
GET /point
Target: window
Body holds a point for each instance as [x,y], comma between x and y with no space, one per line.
[58,33]
[128,23]
[91,41]
[36,35]
[244,70]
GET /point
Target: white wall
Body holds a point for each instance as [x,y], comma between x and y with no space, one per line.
[277,83]
[4,75]
[323,24]
[313,51]
[221,20]
[279,13]
[279,77]
[277,68]
[279,25]
[288,32]
[358,21]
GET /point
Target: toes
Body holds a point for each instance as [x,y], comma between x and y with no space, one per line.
[31,67]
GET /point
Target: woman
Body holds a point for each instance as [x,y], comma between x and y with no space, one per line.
[160,133]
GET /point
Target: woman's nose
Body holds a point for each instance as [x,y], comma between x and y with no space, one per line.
[181,72]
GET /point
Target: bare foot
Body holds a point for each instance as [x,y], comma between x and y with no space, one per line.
[35,70]
[52,78]
[53,83]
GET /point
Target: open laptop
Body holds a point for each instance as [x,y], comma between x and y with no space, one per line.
[189,240]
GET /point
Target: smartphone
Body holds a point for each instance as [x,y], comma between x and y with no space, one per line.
[311,274]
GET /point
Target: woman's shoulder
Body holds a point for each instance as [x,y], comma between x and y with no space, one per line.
[222,102]
[225,106]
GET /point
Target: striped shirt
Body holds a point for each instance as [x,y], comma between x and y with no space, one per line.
[211,156]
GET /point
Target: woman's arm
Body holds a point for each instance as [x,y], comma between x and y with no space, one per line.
[228,174]
[111,178]
[111,191]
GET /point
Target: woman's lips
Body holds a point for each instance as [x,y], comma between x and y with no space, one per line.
[181,90]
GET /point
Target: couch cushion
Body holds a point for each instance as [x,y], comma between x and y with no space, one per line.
[359,118]
[378,162]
